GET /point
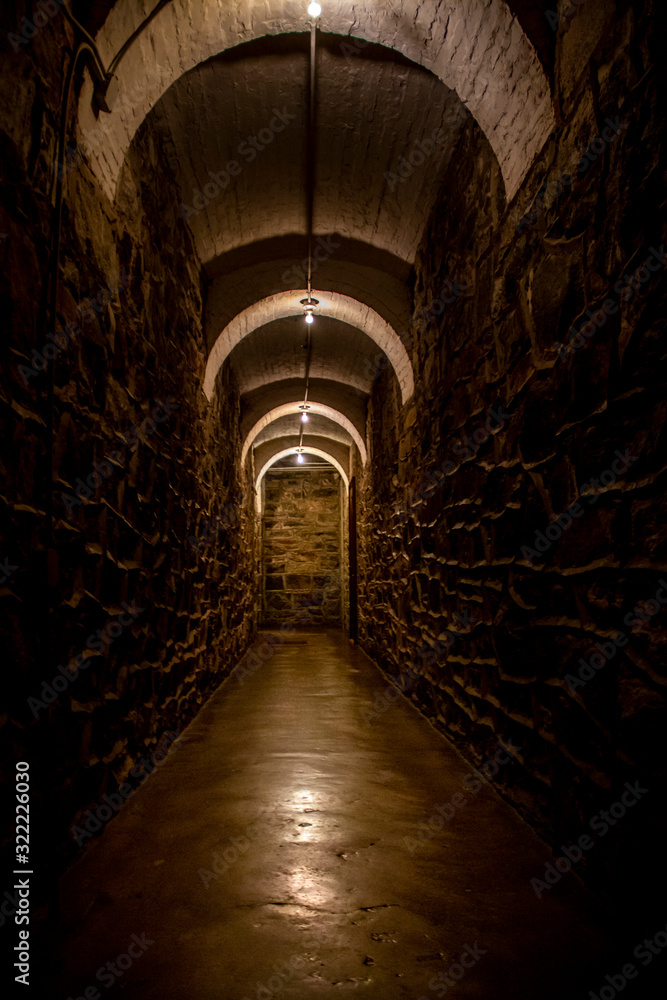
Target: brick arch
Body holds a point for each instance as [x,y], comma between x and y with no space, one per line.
[478,50]
[319,408]
[342,307]
[282,453]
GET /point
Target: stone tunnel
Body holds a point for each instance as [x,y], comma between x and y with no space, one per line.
[333,579]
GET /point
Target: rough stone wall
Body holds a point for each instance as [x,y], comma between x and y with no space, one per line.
[489,640]
[151,512]
[301,557]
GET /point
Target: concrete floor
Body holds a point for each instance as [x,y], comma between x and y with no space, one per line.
[309,806]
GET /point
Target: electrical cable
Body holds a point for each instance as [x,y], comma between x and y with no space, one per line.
[81,49]
[309,353]
[84,47]
[86,37]
[102,73]
[131,40]
[310,181]
[310,197]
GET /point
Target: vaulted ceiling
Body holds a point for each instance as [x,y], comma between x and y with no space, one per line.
[222,85]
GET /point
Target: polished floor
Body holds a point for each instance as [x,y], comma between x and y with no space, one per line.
[277,852]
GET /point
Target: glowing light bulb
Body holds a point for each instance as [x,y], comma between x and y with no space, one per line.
[300,459]
[315,9]
[304,418]
[309,308]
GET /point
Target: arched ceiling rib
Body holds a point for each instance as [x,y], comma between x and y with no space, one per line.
[247,107]
[331,304]
[221,82]
[318,427]
[277,351]
[292,409]
[345,399]
[478,49]
[271,452]
[238,279]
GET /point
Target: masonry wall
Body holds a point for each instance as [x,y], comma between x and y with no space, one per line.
[485,626]
[117,638]
[301,548]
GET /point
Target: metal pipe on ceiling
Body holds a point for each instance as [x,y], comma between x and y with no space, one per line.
[311,149]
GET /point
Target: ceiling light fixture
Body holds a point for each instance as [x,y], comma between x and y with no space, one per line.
[304,413]
[309,308]
[315,9]
[299,456]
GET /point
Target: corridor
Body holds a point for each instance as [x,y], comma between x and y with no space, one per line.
[347,316]
[310,796]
